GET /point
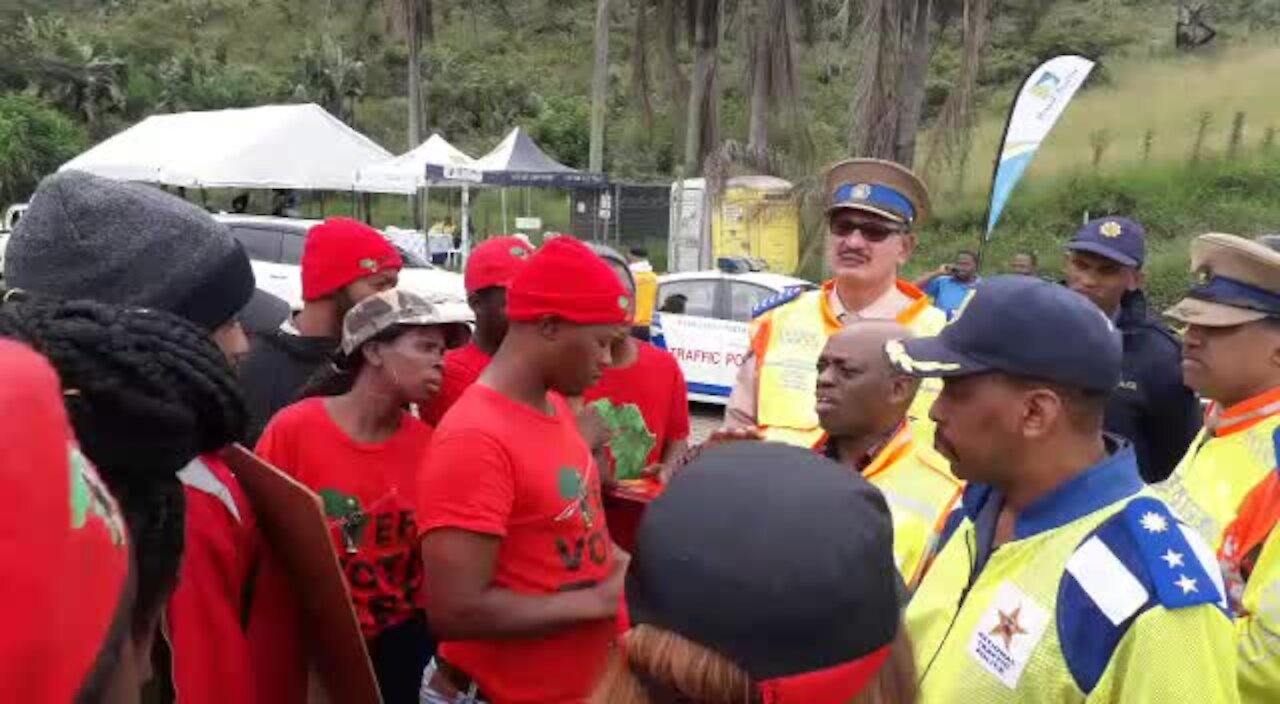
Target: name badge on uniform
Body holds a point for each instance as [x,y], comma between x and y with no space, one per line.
[1007,634]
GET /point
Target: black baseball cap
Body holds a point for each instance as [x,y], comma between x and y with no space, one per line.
[1119,239]
[778,559]
[1023,326]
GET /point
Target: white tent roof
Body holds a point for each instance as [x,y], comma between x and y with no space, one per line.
[274,146]
[407,172]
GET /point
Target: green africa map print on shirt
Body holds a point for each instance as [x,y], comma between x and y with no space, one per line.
[631,441]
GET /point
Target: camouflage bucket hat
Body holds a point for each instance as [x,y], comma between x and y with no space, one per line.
[388,309]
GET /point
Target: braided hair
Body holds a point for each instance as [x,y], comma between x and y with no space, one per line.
[146,392]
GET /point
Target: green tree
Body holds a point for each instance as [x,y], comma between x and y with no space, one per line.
[35,139]
[564,129]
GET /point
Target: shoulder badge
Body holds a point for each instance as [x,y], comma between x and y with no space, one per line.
[783,297]
[1137,559]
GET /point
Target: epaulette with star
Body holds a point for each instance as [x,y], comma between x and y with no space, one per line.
[1137,560]
[783,297]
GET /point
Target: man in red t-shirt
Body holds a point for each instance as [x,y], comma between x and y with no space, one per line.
[490,269]
[522,584]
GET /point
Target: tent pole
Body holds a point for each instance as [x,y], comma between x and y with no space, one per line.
[466,223]
[505,229]
[322,204]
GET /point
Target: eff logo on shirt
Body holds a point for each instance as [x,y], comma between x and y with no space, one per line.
[1008,633]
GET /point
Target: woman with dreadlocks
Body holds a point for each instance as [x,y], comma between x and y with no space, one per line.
[357,446]
[146,392]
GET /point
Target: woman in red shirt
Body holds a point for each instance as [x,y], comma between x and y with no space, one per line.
[357,446]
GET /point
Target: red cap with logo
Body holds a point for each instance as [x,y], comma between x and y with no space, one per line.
[339,251]
[496,262]
[565,279]
[64,552]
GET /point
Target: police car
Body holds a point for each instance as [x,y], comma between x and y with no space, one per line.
[701,317]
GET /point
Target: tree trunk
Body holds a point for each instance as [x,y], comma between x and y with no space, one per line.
[702,90]
[758,126]
[641,76]
[677,84]
[915,73]
[599,87]
[428,21]
[413,36]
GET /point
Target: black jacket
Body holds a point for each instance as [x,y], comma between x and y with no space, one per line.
[273,373]
[1151,407]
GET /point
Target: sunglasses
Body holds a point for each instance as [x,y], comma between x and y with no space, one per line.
[871,231]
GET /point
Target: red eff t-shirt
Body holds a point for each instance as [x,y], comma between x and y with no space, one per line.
[651,389]
[501,468]
[367,490]
[461,369]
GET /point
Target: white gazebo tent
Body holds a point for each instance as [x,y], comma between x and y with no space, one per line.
[407,174]
[273,146]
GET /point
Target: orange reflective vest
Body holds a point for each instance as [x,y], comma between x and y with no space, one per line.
[787,341]
[1227,489]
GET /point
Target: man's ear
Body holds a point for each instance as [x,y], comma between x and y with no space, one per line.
[1138,280]
[1043,409]
[902,389]
[549,327]
[908,248]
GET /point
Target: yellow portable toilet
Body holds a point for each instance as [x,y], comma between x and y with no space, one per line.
[758,216]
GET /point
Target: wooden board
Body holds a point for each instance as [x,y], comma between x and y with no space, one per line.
[291,518]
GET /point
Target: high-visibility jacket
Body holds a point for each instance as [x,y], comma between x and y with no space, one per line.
[787,336]
[646,295]
[1222,487]
[1100,596]
[921,492]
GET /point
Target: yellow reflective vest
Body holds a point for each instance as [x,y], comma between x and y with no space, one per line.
[646,295]
[1234,454]
[1101,596]
[788,335]
[921,492]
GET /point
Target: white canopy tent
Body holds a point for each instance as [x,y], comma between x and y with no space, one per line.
[273,146]
[407,174]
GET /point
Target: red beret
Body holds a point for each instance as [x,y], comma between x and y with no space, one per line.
[339,251]
[567,280]
[496,262]
[64,556]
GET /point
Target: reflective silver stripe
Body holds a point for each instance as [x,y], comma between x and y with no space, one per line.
[198,476]
[910,503]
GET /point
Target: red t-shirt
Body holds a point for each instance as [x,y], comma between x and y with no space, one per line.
[368,492]
[209,647]
[651,389]
[461,369]
[501,468]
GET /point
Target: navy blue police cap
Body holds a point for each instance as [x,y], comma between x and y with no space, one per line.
[1119,239]
[1022,326]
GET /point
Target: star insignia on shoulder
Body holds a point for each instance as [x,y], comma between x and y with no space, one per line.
[1173,559]
[1186,584]
[1154,522]
[1111,229]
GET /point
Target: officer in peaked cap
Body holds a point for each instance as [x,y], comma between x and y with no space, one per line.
[873,210]
[1151,407]
[1227,487]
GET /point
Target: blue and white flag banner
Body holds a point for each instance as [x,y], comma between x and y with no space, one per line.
[1040,102]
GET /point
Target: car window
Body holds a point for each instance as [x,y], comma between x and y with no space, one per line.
[690,297]
[261,245]
[291,249]
[744,297]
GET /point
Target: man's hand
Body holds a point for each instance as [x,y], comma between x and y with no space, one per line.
[723,435]
[661,472]
[593,428]
[609,591]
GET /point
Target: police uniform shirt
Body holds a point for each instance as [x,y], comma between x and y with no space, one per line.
[741,410]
